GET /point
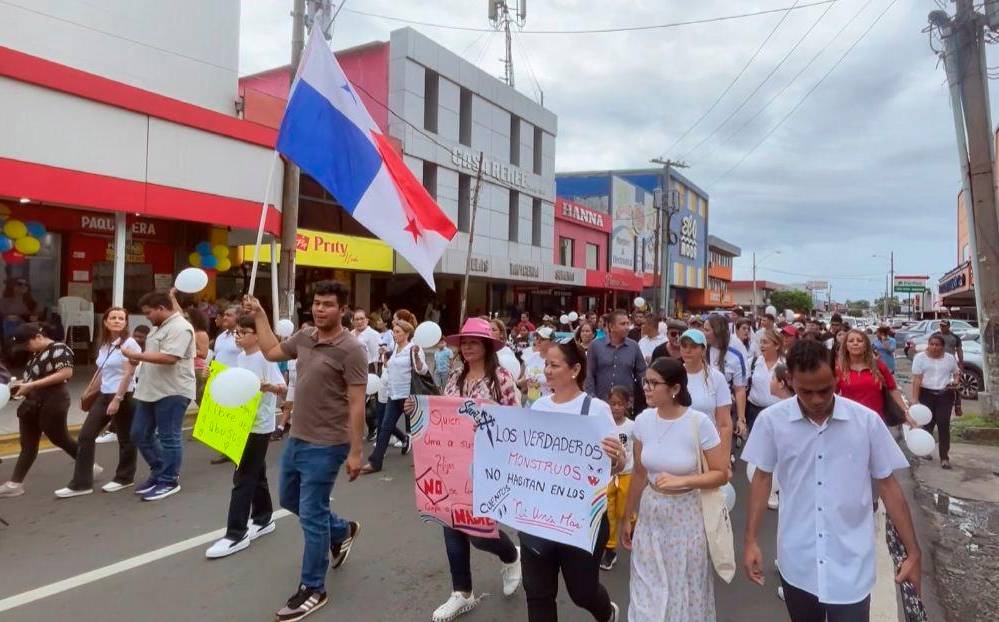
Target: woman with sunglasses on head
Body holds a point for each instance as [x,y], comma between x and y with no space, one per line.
[543,560]
[480,377]
[116,381]
[670,570]
[46,401]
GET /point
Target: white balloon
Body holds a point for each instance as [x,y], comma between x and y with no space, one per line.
[639,302]
[427,335]
[191,280]
[235,386]
[772,310]
[573,316]
[789,315]
[284,328]
[510,363]
[920,442]
[564,319]
[729,491]
[4,395]
[750,471]
[374,384]
[920,414]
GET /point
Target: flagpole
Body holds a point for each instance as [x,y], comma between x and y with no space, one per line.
[260,227]
[274,284]
[471,236]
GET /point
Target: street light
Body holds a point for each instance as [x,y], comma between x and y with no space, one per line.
[771,254]
[889,279]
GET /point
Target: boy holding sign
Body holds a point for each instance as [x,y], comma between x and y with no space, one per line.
[250,494]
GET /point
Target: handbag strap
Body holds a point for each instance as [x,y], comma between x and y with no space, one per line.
[586,405]
[97,373]
[701,467]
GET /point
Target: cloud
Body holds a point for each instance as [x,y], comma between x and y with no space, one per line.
[865,166]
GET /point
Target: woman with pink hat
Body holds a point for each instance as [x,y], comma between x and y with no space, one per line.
[480,377]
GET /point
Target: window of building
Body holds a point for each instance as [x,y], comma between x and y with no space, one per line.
[592,257]
[431,84]
[465,118]
[537,150]
[430,178]
[514,140]
[565,247]
[536,222]
[514,214]
[464,201]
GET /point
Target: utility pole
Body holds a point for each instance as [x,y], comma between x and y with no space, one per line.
[666,235]
[471,238]
[657,204]
[289,188]
[755,314]
[964,59]
[499,17]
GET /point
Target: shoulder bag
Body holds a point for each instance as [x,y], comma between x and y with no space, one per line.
[420,384]
[93,389]
[717,525]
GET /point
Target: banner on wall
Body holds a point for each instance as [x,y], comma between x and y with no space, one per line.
[545,474]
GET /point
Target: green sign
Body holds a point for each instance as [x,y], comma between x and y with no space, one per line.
[909,285]
[224,428]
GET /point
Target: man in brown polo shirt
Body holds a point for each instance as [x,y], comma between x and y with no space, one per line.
[328,430]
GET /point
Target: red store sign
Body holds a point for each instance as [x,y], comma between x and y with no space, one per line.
[615,279]
[581,215]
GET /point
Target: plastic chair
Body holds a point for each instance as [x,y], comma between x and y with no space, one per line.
[76,311]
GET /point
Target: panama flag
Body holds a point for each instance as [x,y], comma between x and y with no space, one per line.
[329,134]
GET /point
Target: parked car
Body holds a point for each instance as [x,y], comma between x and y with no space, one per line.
[918,344]
[972,369]
[927,327]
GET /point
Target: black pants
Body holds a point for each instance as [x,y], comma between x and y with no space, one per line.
[752,410]
[97,418]
[803,606]
[941,404]
[541,560]
[459,558]
[250,495]
[43,411]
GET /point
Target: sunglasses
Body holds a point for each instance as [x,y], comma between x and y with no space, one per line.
[674,333]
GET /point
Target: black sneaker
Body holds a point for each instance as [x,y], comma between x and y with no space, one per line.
[305,601]
[609,559]
[340,550]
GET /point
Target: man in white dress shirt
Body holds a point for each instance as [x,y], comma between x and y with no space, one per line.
[825,450]
[368,337]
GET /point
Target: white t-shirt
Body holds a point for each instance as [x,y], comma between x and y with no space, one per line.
[736,362]
[598,407]
[400,371]
[626,434]
[647,345]
[370,339]
[709,394]
[114,365]
[669,446]
[226,350]
[268,373]
[292,380]
[937,373]
[534,372]
[760,394]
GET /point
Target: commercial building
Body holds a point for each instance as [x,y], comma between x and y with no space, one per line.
[121,147]
[742,293]
[957,287]
[717,294]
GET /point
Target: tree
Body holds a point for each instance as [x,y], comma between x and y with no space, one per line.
[894,306]
[857,306]
[795,299]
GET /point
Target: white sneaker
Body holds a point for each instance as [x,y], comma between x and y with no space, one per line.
[254,531]
[107,437]
[456,605]
[114,486]
[225,547]
[66,493]
[10,489]
[397,443]
[780,592]
[774,501]
[511,575]
[98,469]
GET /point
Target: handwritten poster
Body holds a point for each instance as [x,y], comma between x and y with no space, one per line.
[545,474]
[224,429]
[443,440]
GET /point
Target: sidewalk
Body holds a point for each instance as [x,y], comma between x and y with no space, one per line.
[81,376]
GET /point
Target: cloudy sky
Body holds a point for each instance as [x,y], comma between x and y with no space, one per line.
[865,165]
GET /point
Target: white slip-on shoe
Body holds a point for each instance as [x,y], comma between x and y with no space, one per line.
[66,493]
[254,531]
[225,547]
[114,486]
[10,489]
[511,575]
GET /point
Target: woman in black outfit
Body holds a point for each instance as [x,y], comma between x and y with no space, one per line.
[46,401]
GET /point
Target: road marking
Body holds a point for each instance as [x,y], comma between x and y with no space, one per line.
[51,449]
[116,568]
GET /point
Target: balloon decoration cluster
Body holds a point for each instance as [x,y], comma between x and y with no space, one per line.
[20,239]
[210,257]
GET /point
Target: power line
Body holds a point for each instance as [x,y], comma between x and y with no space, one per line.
[734,80]
[809,92]
[587,31]
[756,90]
[530,68]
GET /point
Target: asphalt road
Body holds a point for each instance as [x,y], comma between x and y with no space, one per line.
[76,558]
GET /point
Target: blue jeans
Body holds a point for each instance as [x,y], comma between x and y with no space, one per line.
[307,475]
[386,430]
[162,450]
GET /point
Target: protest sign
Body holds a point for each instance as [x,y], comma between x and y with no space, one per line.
[443,439]
[223,428]
[542,473]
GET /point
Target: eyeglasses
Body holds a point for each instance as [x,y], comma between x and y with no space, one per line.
[652,384]
[674,333]
[244,332]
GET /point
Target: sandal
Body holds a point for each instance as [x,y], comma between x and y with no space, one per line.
[367,469]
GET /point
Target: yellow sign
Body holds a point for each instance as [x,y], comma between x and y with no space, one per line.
[333,250]
[223,428]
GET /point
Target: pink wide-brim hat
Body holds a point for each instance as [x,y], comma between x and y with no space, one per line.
[478,328]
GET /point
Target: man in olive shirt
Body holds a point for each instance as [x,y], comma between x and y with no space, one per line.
[328,429]
[164,389]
